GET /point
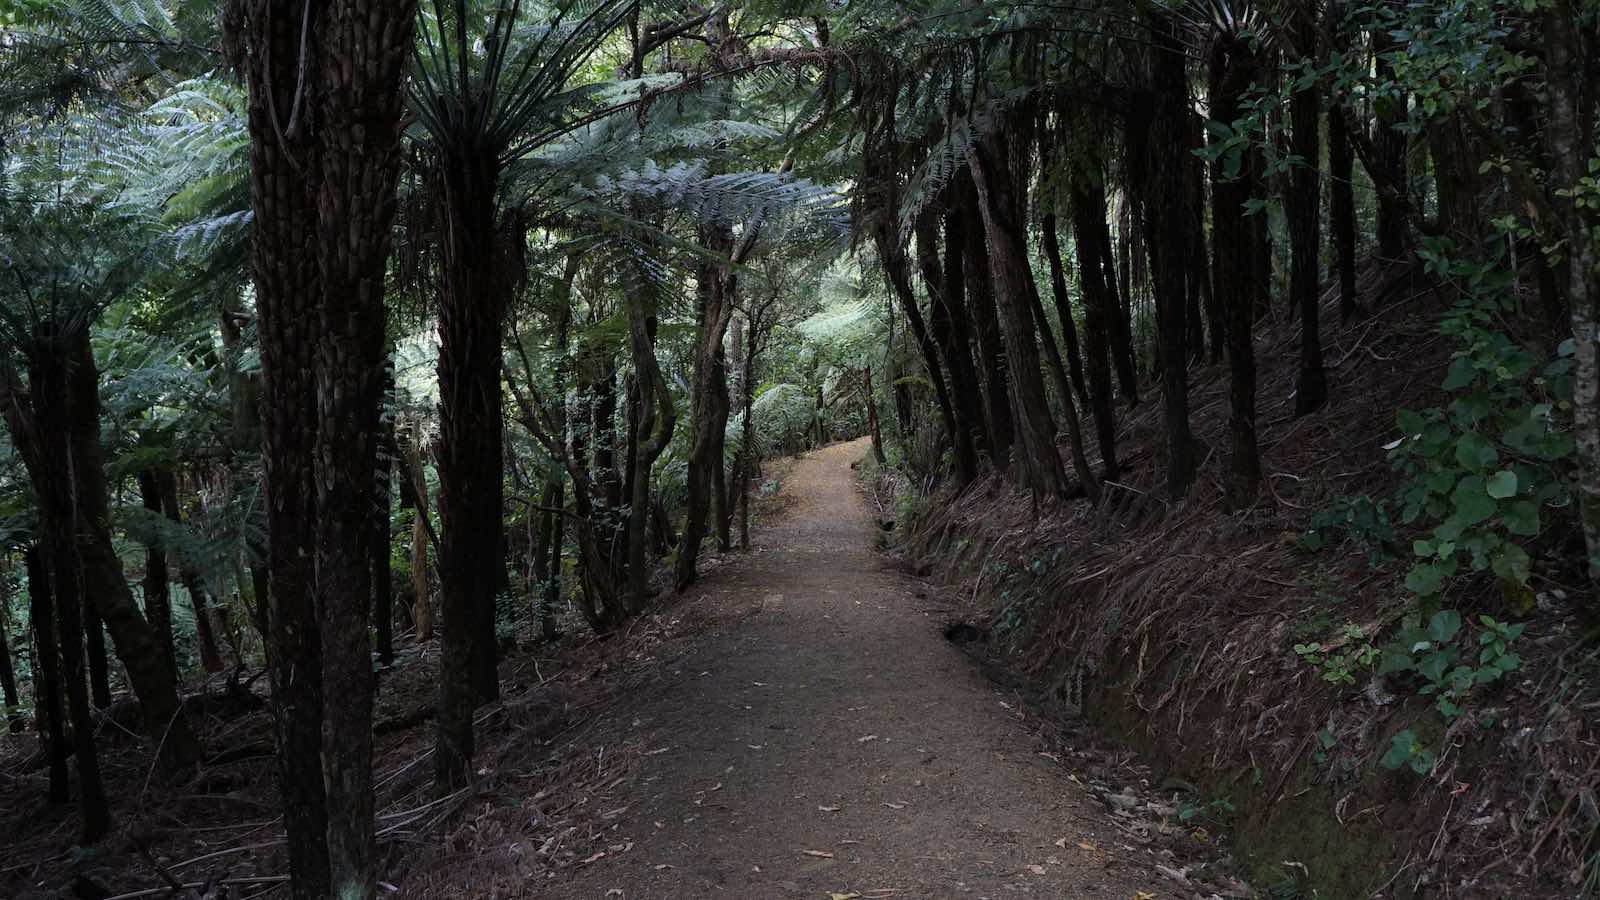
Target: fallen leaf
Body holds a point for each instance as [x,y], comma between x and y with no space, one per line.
[1144,895]
[592,858]
[1061,842]
[1037,870]
[895,805]
[830,808]
[835,895]
[866,737]
[821,854]
[1085,845]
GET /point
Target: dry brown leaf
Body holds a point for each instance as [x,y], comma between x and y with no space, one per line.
[835,895]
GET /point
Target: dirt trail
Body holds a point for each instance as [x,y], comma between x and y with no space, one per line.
[830,742]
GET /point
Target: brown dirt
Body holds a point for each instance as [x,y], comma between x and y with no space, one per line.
[821,738]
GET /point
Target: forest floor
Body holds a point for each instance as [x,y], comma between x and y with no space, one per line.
[797,725]
[826,741]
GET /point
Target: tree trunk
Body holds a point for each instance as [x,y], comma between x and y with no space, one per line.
[1234,182]
[992,367]
[1571,139]
[104,582]
[1088,215]
[1013,280]
[8,673]
[157,592]
[892,257]
[657,419]
[47,703]
[284,250]
[947,325]
[323,197]
[1119,326]
[1165,211]
[872,421]
[716,288]
[53,415]
[471,315]
[1063,304]
[368,46]
[1390,177]
[205,638]
[1305,229]
[382,529]
[1342,208]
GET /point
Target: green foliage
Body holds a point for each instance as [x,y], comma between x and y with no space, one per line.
[1430,655]
[1407,751]
[1481,468]
[1360,521]
[1341,658]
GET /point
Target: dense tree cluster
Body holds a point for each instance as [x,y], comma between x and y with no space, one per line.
[366,319]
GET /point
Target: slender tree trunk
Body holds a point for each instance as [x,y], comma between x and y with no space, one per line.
[367,47]
[104,582]
[8,673]
[95,658]
[1013,279]
[1390,142]
[1233,70]
[381,542]
[657,419]
[1063,303]
[992,366]
[48,707]
[1571,139]
[1119,324]
[1305,228]
[52,413]
[1342,208]
[205,637]
[716,298]
[872,420]
[1168,232]
[157,592]
[891,256]
[1088,214]
[949,338]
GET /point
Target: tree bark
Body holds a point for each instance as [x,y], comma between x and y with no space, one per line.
[1163,133]
[1305,228]
[471,320]
[992,367]
[1342,208]
[104,582]
[8,673]
[382,529]
[947,327]
[53,413]
[1390,142]
[48,707]
[323,196]
[1088,217]
[157,590]
[1063,304]
[199,597]
[1013,280]
[716,289]
[1234,69]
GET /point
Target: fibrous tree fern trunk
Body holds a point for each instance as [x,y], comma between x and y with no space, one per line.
[1015,295]
[325,109]
[1235,244]
[105,584]
[947,327]
[472,299]
[1157,135]
[55,462]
